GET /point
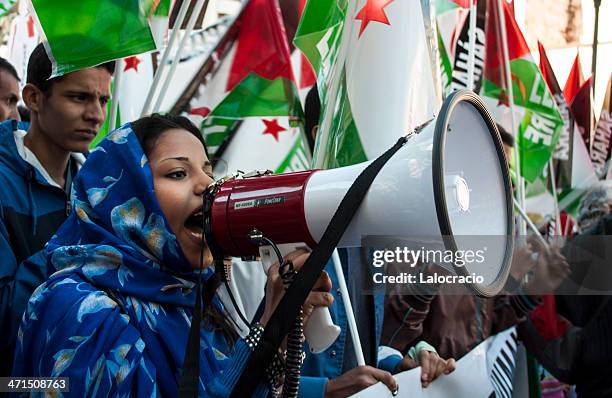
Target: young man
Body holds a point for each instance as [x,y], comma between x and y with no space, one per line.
[37,164]
[9,91]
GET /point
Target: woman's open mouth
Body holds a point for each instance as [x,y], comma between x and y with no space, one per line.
[194,224]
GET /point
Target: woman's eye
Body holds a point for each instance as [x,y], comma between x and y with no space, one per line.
[177,175]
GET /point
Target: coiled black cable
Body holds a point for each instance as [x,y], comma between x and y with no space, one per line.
[295,357]
[295,340]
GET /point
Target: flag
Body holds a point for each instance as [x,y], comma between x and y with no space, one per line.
[158,13]
[136,79]
[248,104]
[563,154]
[574,81]
[266,144]
[582,108]
[450,17]
[462,50]
[577,93]
[23,38]
[304,75]
[574,172]
[374,75]
[538,121]
[602,142]
[85,33]
[5,6]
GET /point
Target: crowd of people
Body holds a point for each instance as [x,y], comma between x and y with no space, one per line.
[103,254]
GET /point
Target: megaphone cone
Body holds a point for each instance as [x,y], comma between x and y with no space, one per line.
[449,181]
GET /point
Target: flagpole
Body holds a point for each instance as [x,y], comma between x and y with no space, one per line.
[118,76]
[472,46]
[190,24]
[551,173]
[432,30]
[530,223]
[520,182]
[162,64]
[597,4]
[319,162]
[348,308]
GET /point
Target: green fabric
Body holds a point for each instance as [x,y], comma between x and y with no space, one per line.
[445,64]
[86,33]
[297,158]
[216,129]
[540,127]
[343,146]
[321,18]
[256,96]
[443,6]
[163,8]
[104,130]
[5,6]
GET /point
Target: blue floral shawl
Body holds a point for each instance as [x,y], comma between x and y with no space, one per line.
[115,318]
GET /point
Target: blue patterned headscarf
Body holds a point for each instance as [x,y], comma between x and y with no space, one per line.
[116,317]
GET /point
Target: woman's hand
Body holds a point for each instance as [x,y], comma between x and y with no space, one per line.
[432,366]
[275,290]
[356,380]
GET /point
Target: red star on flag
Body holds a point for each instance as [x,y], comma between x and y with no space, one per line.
[273,128]
[503,99]
[203,111]
[372,11]
[131,63]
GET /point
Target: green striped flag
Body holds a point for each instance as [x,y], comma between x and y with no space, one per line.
[538,121]
[85,33]
[373,71]
[249,105]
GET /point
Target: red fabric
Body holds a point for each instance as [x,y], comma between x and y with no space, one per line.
[462,3]
[494,56]
[372,11]
[545,317]
[511,6]
[574,81]
[262,44]
[550,325]
[547,71]
[582,109]
[307,75]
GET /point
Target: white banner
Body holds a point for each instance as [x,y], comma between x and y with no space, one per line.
[486,370]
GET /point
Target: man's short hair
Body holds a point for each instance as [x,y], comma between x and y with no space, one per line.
[595,204]
[505,136]
[39,69]
[10,69]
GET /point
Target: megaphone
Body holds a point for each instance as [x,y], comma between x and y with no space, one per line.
[449,180]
